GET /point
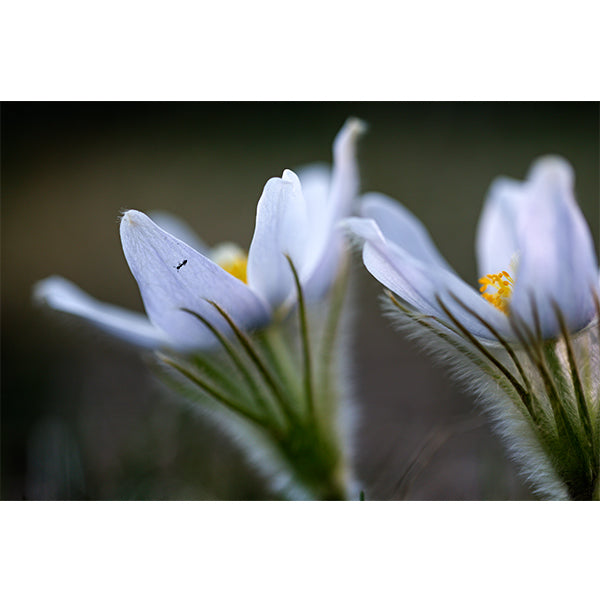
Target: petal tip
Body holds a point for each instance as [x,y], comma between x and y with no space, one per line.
[133,217]
[352,129]
[355,126]
[552,168]
[289,176]
[56,292]
[42,290]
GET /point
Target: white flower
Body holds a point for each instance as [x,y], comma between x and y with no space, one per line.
[534,228]
[527,341]
[296,217]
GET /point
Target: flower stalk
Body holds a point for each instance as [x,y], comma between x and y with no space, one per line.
[262,387]
[534,391]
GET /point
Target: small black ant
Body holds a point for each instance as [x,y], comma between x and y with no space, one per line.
[181,264]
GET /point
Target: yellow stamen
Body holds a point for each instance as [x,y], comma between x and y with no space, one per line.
[237,267]
[503,284]
[232,259]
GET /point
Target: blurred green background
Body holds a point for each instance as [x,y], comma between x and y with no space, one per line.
[82,415]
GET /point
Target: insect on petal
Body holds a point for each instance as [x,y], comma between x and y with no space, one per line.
[171,276]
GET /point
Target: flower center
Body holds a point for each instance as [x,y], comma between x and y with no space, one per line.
[232,259]
[237,267]
[501,284]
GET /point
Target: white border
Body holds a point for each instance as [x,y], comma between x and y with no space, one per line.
[299,550]
[314,50]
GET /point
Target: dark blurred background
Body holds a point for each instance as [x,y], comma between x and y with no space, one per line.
[83,416]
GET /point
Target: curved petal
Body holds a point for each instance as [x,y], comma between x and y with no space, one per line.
[282,227]
[557,261]
[418,283]
[179,229]
[60,294]
[496,239]
[315,180]
[399,225]
[345,175]
[171,276]
[322,275]
[327,239]
[323,257]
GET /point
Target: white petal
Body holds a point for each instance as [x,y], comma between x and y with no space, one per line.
[418,283]
[315,181]
[400,226]
[60,294]
[282,228]
[171,276]
[322,257]
[326,244]
[557,261]
[179,229]
[496,239]
[322,275]
[345,176]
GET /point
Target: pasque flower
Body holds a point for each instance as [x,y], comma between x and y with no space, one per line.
[296,218]
[527,339]
[222,321]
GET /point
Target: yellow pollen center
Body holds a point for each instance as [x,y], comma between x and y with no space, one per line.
[237,267]
[502,284]
[231,258]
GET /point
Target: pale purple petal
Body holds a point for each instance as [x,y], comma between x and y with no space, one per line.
[282,228]
[319,268]
[557,260]
[496,239]
[327,241]
[62,295]
[399,225]
[345,176]
[315,181]
[418,283]
[172,276]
